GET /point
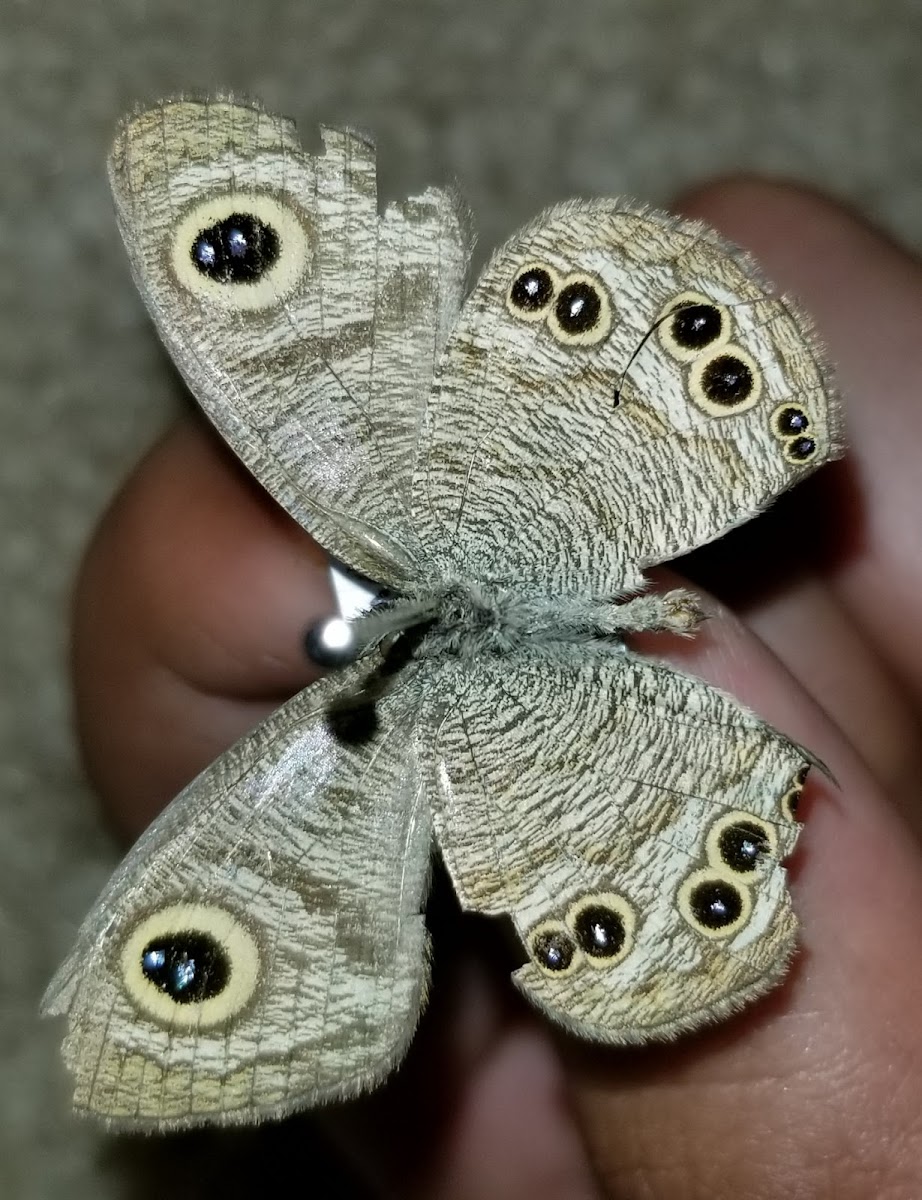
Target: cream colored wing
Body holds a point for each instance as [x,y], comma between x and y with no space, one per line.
[306,322]
[632,822]
[262,947]
[622,387]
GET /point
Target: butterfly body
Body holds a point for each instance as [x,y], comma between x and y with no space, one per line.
[619,387]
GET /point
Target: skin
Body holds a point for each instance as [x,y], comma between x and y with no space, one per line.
[189,616]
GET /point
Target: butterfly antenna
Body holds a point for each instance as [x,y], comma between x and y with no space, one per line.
[640,345]
[337,642]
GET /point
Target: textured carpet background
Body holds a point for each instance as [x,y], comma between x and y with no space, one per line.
[525,102]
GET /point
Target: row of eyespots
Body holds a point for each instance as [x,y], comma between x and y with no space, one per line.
[722,378]
[576,308]
[792,425]
[598,929]
[715,899]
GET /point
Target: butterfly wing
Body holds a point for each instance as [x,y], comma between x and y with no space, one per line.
[306,323]
[262,947]
[622,387]
[632,822]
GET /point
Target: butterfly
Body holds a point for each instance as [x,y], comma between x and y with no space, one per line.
[619,387]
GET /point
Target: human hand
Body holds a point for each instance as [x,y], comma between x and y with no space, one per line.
[190,616]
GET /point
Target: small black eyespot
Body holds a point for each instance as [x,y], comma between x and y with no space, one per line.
[553,949]
[790,801]
[695,326]
[727,380]
[716,904]
[742,845]
[578,308]
[791,420]
[801,449]
[189,966]
[532,290]
[600,931]
[239,249]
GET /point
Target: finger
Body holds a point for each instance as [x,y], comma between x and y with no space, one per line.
[513,1136]
[480,1108]
[854,530]
[189,619]
[816,1090]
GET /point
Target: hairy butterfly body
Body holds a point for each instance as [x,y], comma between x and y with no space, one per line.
[618,388]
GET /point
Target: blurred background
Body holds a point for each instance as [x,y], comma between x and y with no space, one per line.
[524,102]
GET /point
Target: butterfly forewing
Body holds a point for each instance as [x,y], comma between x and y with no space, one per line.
[262,948]
[306,323]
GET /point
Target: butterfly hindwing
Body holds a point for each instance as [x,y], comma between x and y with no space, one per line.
[631,821]
[622,387]
[262,947]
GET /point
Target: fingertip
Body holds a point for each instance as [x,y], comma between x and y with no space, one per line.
[189,615]
[772,217]
[200,565]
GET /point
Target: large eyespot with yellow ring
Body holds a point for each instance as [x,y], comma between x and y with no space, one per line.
[581,314]
[790,801]
[692,324]
[244,250]
[740,842]
[553,949]
[190,965]
[532,291]
[714,905]
[726,382]
[603,927]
